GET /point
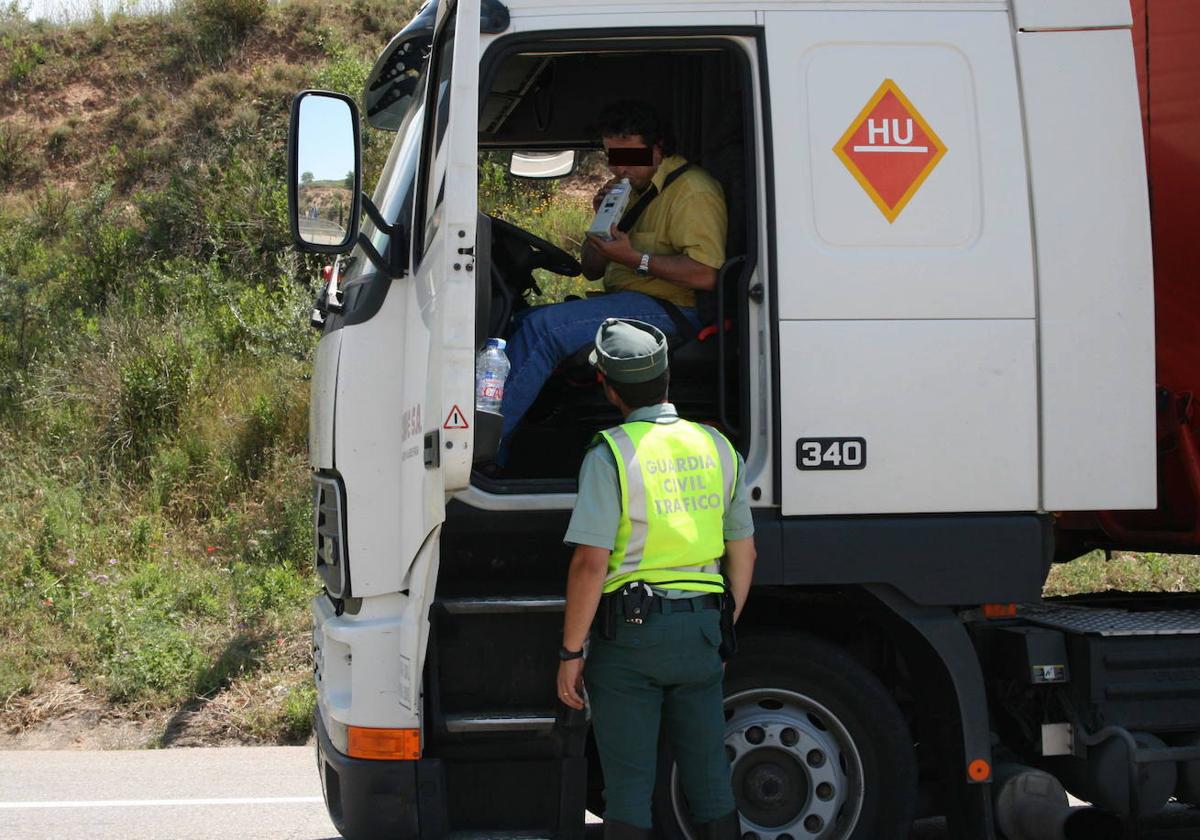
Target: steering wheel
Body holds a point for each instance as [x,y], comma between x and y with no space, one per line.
[544,255]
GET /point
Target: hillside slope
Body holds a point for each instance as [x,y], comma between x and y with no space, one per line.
[153,361]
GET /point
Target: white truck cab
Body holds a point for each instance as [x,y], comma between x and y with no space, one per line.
[934,332]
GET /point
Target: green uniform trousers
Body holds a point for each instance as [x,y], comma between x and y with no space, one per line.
[666,670]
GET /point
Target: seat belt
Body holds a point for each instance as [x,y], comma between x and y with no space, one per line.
[683,327]
[635,212]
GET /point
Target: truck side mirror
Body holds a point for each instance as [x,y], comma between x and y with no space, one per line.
[324,172]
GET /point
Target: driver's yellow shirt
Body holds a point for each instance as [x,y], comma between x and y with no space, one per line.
[689,219]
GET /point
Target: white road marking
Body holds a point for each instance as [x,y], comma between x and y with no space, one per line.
[143,803]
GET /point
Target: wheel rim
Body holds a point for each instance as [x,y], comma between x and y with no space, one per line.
[797,774]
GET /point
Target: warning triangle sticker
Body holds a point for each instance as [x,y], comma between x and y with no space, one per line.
[456,419]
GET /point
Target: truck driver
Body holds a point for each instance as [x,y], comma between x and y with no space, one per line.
[670,243]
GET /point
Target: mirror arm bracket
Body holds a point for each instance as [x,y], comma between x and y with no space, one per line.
[375,257]
[377,217]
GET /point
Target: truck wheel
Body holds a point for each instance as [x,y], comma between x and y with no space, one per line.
[817,746]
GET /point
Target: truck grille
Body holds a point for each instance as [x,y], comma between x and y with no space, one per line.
[329,524]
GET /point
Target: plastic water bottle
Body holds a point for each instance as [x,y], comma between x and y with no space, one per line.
[491,371]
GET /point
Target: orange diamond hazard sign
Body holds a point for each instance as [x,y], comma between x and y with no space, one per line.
[890,149]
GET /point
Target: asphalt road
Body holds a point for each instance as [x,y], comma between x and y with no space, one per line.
[321,231]
[240,792]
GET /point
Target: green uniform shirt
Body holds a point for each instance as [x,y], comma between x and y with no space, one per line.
[689,219]
[597,511]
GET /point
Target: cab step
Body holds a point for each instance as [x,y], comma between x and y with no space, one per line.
[498,722]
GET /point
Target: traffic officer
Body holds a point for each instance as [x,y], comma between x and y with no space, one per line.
[661,513]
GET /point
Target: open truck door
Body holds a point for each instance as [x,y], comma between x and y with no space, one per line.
[444,236]
[401,439]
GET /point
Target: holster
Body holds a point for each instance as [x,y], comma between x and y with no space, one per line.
[605,623]
[729,643]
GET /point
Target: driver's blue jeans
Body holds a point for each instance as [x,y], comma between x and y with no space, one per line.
[542,336]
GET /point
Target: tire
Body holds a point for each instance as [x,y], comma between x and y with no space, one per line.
[791,703]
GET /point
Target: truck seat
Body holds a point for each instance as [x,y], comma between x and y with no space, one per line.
[692,357]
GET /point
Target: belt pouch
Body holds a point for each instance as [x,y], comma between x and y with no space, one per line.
[636,600]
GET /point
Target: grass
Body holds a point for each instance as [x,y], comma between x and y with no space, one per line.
[1126,572]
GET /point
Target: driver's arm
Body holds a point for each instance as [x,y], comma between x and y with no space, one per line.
[594,263]
[681,270]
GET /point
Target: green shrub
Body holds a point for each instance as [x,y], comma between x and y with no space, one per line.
[213,31]
[345,72]
[208,106]
[14,145]
[154,383]
[105,253]
[298,711]
[383,16]
[259,431]
[169,471]
[14,678]
[263,590]
[23,59]
[237,16]
[150,657]
[51,211]
[287,541]
[60,142]
[22,322]
[273,320]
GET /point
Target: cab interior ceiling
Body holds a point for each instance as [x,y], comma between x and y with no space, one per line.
[548,100]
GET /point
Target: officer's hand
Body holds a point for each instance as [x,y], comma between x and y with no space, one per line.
[570,683]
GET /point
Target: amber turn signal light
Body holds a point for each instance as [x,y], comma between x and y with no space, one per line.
[386,744]
[999,610]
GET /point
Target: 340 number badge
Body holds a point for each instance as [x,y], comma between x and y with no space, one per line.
[831,453]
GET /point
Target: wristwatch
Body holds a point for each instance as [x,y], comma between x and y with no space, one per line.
[643,269]
[565,655]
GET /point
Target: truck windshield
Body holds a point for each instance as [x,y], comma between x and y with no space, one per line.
[394,195]
[394,198]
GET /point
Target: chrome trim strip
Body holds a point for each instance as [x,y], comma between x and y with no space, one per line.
[508,723]
[481,606]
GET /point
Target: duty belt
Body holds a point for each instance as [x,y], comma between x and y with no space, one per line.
[674,605]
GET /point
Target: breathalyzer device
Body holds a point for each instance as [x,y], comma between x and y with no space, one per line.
[611,209]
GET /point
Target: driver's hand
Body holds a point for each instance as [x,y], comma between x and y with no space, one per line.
[618,249]
[598,198]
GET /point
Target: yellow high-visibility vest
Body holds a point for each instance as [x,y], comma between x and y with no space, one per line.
[677,481]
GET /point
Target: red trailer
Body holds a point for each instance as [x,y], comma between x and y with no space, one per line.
[1166,35]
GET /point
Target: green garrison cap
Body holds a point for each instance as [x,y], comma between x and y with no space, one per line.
[629,351]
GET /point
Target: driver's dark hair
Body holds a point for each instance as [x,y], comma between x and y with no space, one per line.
[640,394]
[635,116]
